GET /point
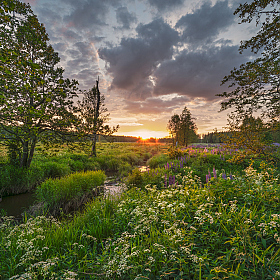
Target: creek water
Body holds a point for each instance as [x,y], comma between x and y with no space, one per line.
[16,204]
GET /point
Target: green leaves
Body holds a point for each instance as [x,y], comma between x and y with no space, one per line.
[37,99]
[255,83]
[182,128]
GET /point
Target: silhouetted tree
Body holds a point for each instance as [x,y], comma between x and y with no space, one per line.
[94,116]
[182,128]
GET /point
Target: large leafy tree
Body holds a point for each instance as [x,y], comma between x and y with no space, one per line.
[36,102]
[182,128]
[94,117]
[256,83]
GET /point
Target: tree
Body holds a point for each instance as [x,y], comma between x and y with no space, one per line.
[256,83]
[36,102]
[94,116]
[182,128]
[174,127]
[249,137]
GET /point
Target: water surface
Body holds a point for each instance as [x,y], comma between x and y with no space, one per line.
[16,204]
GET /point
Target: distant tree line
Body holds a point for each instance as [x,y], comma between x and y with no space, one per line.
[267,133]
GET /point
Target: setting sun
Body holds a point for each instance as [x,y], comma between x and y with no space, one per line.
[147,134]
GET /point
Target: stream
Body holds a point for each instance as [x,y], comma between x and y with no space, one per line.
[15,205]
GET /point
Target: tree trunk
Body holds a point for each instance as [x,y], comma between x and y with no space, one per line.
[24,159]
[31,152]
[93,147]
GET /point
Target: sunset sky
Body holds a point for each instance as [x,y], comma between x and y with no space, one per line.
[153,57]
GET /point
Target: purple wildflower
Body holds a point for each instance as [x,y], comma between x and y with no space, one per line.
[214,172]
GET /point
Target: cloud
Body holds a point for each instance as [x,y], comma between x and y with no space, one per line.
[89,14]
[133,61]
[206,23]
[155,105]
[125,18]
[163,5]
[197,73]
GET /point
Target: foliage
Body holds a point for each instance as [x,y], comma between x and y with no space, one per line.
[36,102]
[250,137]
[157,160]
[182,128]
[94,117]
[175,153]
[116,159]
[226,229]
[16,180]
[256,83]
[135,179]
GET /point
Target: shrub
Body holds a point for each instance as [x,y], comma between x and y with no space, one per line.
[157,161]
[15,180]
[55,169]
[76,165]
[175,153]
[135,179]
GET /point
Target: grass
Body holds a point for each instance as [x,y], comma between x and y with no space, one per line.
[116,159]
[168,224]
[70,191]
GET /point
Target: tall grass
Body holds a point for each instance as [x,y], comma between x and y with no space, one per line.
[225,229]
[57,193]
[116,158]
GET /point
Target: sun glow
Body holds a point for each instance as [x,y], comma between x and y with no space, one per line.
[145,134]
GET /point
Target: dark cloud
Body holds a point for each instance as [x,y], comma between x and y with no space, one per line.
[155,105]
[85,48]
[61,47]
[83,53]
[133,61]
[197,73]
[125,18]
[206,23]
[70,35]
[88,76]
[162,5]
[49,14]
[89,13]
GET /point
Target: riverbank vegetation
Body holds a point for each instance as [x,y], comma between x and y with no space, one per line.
[168,224]
[117,159]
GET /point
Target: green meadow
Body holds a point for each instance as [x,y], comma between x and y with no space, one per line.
[194,214]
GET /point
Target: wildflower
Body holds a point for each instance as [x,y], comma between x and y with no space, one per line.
[214,172]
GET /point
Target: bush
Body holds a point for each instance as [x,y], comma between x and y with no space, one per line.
[55,169]
[16,180]
[157,161]
[175,153]
[135,179]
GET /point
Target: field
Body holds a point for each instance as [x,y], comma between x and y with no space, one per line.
[193,215]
